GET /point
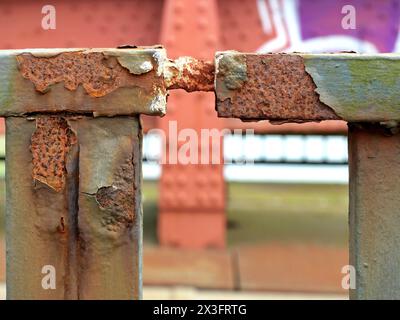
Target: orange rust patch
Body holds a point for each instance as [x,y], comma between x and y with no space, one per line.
[119,199]
[277,88]
[191,75]
[97,73]
[50,144]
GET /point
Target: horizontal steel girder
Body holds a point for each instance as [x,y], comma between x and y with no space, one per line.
[98,82]
[277,87]
[308,87]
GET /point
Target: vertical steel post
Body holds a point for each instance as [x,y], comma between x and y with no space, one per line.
[73,139]
[359,89]
[374,164]
[81,214]
[36,222]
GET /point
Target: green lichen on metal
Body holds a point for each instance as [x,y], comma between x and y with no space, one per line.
[358,87]
[231,73]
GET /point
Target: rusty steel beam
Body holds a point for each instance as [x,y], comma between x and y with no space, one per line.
[189,74]
[39,220]
[99,82]
[308,87]
[68,80]
[110,213]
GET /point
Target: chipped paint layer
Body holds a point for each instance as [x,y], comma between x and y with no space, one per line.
[157,105]
[118,200]
[137,64]
[99,75]
[309,87]
[160,56]
[98,81]
[232,73]
[358,87]
[271,86]
[110,217]
[90,230]
[189,74]
[42,219]
[50,144]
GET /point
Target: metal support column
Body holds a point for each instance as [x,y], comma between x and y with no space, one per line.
[374,163]
[74,148]
[360,89]
[79,219]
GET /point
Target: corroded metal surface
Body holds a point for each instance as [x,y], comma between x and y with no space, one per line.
[374,165]
[99,74]
[100,82]
[189,74]
[308,87]
[110,216]
[272,86]
[40,222]
[277,87]
[96,81]
[79,211]
[192,196]
[359,87]
[50,144]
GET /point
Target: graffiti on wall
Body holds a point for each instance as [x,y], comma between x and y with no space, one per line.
[317,26]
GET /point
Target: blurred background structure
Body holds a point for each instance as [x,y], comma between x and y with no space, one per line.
[279,225]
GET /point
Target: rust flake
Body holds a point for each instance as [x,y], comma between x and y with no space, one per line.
[190,74]
[50,144]
[277,88]
[119,199]
[98,74]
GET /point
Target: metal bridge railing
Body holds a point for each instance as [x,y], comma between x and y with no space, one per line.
[74,144]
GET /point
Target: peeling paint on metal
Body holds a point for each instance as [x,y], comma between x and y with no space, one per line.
[232,73]
[160,56]
[267,86]
[136,64]
[310,87]
[110,217]
[90,231]
[118,200]
[40,222]
[157,105]
[99,75]
[358,87]
[50,144]
[81,81]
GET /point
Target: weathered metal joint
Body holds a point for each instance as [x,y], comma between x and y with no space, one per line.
[272,86]
[189,74]
[98,82]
